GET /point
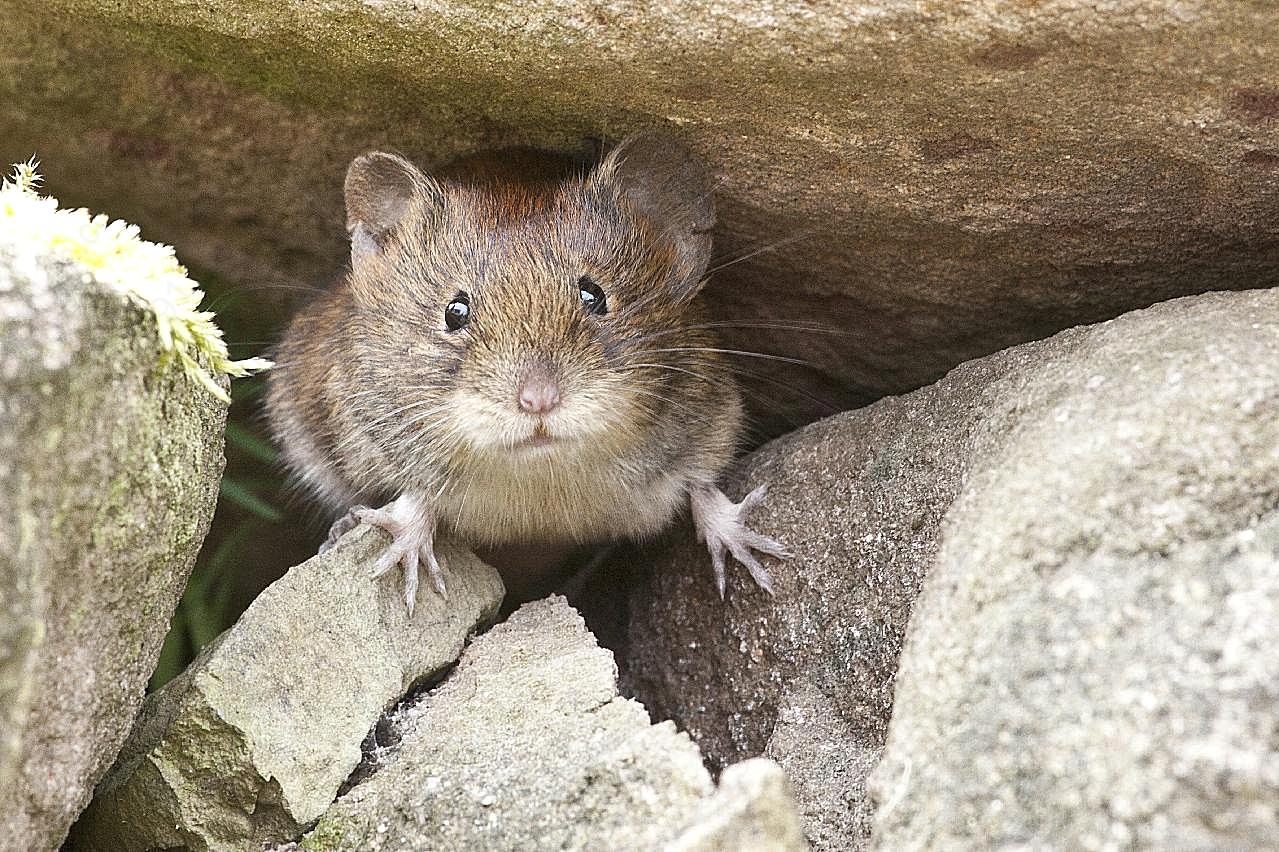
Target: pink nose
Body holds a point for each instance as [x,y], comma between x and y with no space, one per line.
[539,394]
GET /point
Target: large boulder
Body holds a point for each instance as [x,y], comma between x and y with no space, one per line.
[110,456]
[527,745]
[932,181]
[1121,443]
[1093,654]
[255,739]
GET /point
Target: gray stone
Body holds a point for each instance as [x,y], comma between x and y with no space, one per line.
[255,738]
[752,809]
[952,178]
[1175,404]
[527,745]
[110,457]
[1092,658]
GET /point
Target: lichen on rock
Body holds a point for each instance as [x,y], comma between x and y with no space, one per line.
[110,456]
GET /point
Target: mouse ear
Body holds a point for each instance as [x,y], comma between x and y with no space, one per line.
[381,189]
[664,182]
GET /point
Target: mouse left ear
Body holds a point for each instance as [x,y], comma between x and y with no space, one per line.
[666,184]
[381,190]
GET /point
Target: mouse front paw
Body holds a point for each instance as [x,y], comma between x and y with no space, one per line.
[412,528]
[721,523]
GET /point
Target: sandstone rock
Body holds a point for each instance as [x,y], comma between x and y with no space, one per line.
[109,463]
[953,178]
[1092,656]
[527,745]
[1135,433]
[255,739]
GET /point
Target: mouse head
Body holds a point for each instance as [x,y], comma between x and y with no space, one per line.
[531,319]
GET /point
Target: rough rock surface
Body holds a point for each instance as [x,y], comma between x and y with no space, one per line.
[1161,421]
[955,177]
[256,737]
[527,745]
[1093,654]
[752,809]
[109,468]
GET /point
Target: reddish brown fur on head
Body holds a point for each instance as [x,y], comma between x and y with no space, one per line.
[637,226]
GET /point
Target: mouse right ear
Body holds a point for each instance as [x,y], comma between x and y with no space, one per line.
[664,182]
[381,189]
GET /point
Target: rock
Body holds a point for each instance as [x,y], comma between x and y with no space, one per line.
[255,738]
[1146,421]
[110,457]
[919,175]
[752,809]
[527,745]
[1092,656]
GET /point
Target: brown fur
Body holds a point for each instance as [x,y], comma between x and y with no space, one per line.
[373,397]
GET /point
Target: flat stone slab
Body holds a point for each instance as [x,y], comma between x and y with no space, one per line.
[527,745]
[255,739]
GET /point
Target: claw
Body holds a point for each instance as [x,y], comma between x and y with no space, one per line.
[433,568]
[753,499]
[717,565]
[721,523]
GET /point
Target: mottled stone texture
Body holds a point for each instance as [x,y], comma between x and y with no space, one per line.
[1120,442]
[527,745]
[947,178]
[253,741]
[109,468]
[753,809]
[1093,654]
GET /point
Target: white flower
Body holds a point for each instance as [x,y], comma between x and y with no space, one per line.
[118,258]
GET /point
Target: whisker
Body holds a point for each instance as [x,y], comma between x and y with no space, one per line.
[782,243]
[698,376]
[729,324]
[783,358]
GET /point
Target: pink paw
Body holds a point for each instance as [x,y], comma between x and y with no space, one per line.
[721,523]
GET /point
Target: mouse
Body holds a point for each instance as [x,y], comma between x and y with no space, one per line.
[519,352]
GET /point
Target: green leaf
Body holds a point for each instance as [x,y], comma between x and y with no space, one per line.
[249,442]
[236,492]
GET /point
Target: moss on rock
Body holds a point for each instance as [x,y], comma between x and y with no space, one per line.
[109,462]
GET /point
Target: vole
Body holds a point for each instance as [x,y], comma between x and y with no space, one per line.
[519,357]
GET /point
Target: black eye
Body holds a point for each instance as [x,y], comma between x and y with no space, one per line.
[458,312]
[592,296]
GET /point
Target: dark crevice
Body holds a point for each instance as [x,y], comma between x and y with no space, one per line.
[382,741]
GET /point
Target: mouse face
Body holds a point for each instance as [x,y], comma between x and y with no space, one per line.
[529,323]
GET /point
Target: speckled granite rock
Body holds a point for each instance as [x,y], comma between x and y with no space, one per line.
[1093,654]
[109,466]
[954,177]
[253,741]
[1136,435]
[528,746]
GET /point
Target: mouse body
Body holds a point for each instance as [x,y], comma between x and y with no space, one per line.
[518,353]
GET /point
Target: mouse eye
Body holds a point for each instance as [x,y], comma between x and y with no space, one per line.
[592,296]
[458,312]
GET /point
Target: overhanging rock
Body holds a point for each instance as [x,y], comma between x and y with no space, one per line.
[936,181]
